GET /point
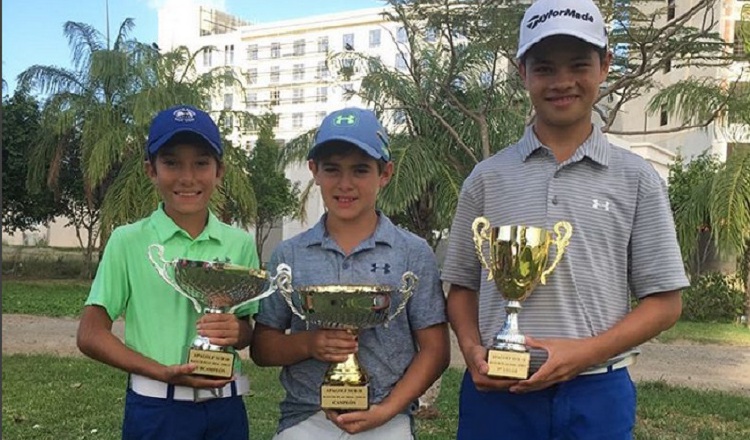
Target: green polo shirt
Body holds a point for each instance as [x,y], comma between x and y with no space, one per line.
[160,322]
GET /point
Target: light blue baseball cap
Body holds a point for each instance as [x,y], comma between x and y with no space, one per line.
[356,126]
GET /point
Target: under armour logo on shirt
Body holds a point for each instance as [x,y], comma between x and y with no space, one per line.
[386,268]
[597,204]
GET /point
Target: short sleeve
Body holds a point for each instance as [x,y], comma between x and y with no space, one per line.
[461,266]
[111,287]
[427,305]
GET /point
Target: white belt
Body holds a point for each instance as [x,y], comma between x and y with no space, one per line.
[622,363]
[148,387]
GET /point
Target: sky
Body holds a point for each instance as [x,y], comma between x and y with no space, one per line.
[32,30]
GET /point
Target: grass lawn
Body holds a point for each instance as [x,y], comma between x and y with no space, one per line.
[707,333]
[45,297]
[47,397]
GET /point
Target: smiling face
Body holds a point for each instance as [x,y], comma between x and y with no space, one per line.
[185,176]
[349,182]
[563,75]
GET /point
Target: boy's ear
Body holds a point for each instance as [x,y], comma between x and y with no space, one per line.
[150,170]
[313,167]
[221,169]
[386,175]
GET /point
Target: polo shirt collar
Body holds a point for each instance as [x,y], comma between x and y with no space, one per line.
[385,233]
[166,228]
[596,147]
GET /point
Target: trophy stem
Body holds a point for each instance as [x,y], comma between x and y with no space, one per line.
[510,337]
[349,372]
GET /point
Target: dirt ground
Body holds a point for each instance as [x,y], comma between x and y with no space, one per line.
[698,366]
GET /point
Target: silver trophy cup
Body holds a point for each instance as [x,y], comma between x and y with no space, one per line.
[215,287]
[353,308]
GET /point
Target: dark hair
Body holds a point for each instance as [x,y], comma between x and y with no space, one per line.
[189,138]
[342,149]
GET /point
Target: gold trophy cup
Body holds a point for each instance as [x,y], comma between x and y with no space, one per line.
[517,259]
[353,308]
[215,287]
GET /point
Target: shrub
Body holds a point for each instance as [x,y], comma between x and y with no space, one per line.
[713,297]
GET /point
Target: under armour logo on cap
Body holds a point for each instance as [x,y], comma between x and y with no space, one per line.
[350,119]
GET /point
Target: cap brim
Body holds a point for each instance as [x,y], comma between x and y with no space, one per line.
[555,32]
[362,146]
[154,147]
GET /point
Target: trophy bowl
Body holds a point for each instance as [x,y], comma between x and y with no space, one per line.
[215,287]
[353,308]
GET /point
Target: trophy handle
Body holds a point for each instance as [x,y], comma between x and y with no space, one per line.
[408,284]
[563,230]
[284,284]
[161,267]
[481,229]
[283,274]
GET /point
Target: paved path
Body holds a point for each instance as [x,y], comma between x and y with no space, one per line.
[699,366]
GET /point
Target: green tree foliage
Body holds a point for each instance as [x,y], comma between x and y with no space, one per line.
[22,209]
[276,195]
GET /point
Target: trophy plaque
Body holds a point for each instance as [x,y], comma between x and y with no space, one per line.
[517,259]
[215,287]
[353,308]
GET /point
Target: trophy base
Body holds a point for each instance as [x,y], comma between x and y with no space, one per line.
[218,364]
[345,397]
[508,364]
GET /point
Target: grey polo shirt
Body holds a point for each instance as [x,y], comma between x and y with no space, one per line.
[623,239]
[385,353]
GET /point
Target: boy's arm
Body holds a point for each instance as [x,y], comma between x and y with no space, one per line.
[96,340]
[274,347]
[428,364]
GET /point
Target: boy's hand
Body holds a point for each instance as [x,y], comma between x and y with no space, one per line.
[331,345]
[359,421]
[182,375]
[566,359]
[220,328]
[476,362]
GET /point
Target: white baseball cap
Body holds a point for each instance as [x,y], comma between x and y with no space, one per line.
[577,18]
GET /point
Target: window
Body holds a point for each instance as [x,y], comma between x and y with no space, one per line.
[299,48]
[401,61]
[298,96]
[320,116]
[322,94]
[375,38]
[348,42]
[430,35]
[322,70]
[670,9]
[252,52]
[663,117]
[251,100]
[251,76]
[296,120]
[229,55]
[228,101]
[275,74]
[323,44]
[298,73]
[228,122]
[401,35]
[275,95]
[207,55]
[348,88]
[399,117]
[275,50]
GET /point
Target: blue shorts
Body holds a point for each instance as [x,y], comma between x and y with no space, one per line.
[150,418]
[600,406]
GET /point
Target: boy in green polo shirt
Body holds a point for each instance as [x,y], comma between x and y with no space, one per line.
[164,400]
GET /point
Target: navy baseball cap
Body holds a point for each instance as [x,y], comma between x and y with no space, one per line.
[356,126]
[180,119]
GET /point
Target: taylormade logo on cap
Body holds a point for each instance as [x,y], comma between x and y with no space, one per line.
[547,18]
[537,19]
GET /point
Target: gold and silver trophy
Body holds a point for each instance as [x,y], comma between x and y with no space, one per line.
[353,308]
[215,287]
[517,259]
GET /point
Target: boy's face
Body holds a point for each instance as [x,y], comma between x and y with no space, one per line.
[185,176]
[349,183]
[563,75]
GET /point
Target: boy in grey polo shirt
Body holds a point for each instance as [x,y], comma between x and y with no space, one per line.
[353,243]
[579,325]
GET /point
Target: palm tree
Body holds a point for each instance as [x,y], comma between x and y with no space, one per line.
[105,104]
